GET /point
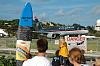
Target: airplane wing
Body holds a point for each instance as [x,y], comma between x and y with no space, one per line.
[40,32]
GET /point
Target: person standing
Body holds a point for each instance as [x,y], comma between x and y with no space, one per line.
[75,57]
[56,59]
[39,59]
[83,60]
[63,52]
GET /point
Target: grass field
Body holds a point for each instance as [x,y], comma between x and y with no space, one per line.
[92,44]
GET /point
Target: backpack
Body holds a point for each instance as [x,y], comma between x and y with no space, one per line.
[56,61]
[65,61]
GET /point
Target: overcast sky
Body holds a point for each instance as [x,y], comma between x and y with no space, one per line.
[84,12]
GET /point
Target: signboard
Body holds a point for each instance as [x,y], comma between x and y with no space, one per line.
[56,41]
[80,42]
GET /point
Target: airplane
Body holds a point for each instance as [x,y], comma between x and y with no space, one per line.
[3,33]
[57,31]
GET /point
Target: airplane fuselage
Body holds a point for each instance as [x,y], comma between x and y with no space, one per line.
[53,32]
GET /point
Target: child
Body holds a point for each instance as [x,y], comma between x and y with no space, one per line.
[56,59]
[63,52]
[83,60]
[97,62]
[75,57]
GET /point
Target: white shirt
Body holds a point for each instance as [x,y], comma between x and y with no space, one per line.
[37,61]
[84,65]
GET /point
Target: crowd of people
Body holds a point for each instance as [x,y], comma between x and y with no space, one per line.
[63,57]
[74,57]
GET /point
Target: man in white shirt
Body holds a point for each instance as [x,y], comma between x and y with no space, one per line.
[40,59]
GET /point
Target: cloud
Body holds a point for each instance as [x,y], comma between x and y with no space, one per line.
[43,16]
[75,11]
[43,0]
[40,1]
[60,12]
[73,14]
[95,10]
[26,0]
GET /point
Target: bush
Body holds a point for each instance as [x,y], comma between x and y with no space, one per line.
[7,61]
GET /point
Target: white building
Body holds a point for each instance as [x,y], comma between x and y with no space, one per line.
[97,26]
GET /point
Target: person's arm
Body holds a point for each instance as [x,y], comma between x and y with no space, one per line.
[53,60]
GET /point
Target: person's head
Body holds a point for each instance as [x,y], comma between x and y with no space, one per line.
[75,55]
[57,53]
[62,40]
[82,51]
[42,45]
[97,61]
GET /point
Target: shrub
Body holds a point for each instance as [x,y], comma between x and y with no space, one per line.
[7,61]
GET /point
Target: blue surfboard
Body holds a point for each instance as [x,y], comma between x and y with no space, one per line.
[24,34]
[27,16]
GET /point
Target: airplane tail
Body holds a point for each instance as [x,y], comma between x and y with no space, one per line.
[37,24]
